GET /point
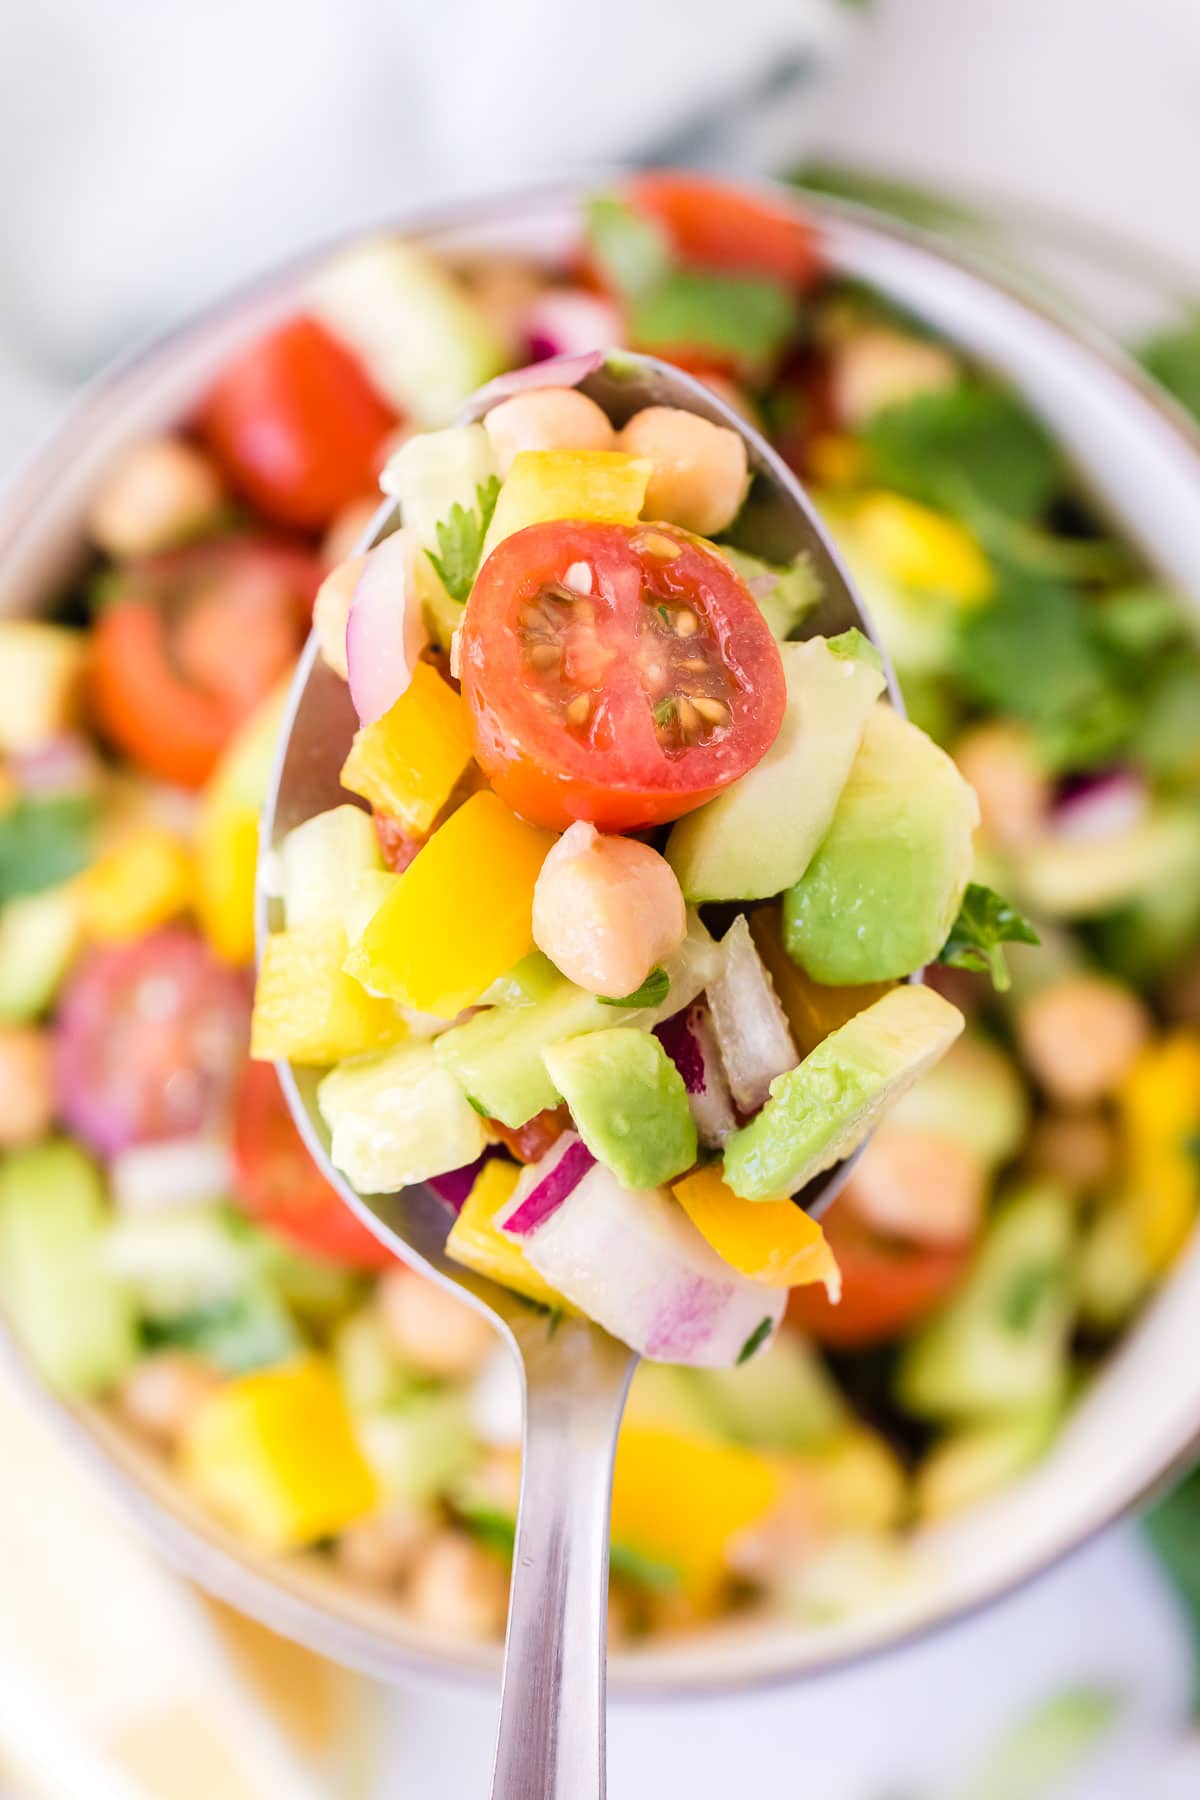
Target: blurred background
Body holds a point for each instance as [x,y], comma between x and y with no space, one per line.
[150,157]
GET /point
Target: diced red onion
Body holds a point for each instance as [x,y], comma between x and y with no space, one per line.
[175,1174]
[386,630]
[62,765]
[752,1031]
[762,585]
[567,322]
[1099,806]
[554,371]
[454,1186]
[636,1264]
[690,1041]
[546,1184]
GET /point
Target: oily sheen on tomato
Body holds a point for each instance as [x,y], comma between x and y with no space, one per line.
[619,674]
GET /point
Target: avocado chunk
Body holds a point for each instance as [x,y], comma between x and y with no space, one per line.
[1001,1344]
[977,1460]
[396,1117]
[628,1102]
[39,935]
[759,836]
[820,1111]
[879,897]
[496,1057]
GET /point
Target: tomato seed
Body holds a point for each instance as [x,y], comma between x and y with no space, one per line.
[695,665]
[686,624]
[653,543]
[689,718]
[545,656]
[578,710]
[713,712]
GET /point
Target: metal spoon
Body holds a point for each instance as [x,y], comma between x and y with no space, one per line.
[552,1716]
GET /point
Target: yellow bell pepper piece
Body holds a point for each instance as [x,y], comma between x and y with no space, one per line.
[307,1009]
[227,835]
[605,485]
[145,879]
[274,1452]
[409,762]
[812,1011]
[459,916]
[771,1241]
[681,1500]
[835,460]
[919,548]
[1160,1114]
[477,1243]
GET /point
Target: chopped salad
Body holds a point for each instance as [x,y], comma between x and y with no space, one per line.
[168,1251]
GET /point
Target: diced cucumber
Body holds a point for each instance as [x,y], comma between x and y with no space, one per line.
[319,862]
[534,978]
[41,669]
[397,1117]
[1001,1344]
[76,1321]
[317,1292]
[1113,1272]
[970,1464]
[628,1102]
[419,1448]
[369,1371]
[177,1263]
[434,472]
[974,1096]
[38,940]
[784,1399]
[796,593]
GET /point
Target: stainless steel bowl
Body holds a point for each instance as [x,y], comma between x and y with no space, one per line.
[1141,460]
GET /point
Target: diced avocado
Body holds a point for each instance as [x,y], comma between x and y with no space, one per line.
[796,593]
[759,836]
[669,1397]
[38,940]
[397,1117]
[320,860]
[1113,1273]
[1081,879]
[421,1447]
[534,978]
[784,1399]
[628,1102]
[368,1370]
[968,1465]
[430,475]
[975,1096]
[318,1292]
[41,671]
[879,897]
[76,1322]
[424,342]
[1001,1344]
[496,1057]
[820,1111]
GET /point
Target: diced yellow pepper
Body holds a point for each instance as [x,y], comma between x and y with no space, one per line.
[145,879]
[477,1243]
[274,1452]
[812,1011]
[605,485]
[227,836]
[681,1501]
[307,1009]
[835,460]
[919,548]
[409,762]
[855,1482]
[460,915]
[1160,1113]
[771,1241]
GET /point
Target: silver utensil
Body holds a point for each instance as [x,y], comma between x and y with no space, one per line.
[575,1377]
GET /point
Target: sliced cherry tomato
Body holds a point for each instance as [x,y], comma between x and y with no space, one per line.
[621,674]
[190,643]
[281,1187]
[296,425]
[888,1285]
[719,227]
[149,1040]
[397,845]
[530,1142]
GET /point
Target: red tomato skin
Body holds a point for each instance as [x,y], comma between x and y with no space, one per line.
[715,226]
[296,425]
[530,1142]
[887,1286]
[281,1188]
[397,846]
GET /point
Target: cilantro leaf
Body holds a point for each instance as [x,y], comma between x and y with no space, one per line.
[853,646]
[747,317]
[43,843]
[632,251]
[969,445]
[755,1341]
[652,992]
[1173,358]
[460,540]
[985,921]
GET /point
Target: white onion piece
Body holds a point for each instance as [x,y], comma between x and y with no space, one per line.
[1104,806]
[564,322]
[386,631]
[753,1035]
[762,585]
[635,1263]
[553,371]
[171,1176]
[691,1043]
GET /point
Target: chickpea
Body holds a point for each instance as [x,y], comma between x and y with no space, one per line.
[919,1185]
[159,494]
[331,612]
[380,1551]
[162,1393]
[348,529]
[1081,1035]
[26,1085]
[458,1587]
[1014,793]
[1077,1148]
[700,474]
[430,1330]
[546,419]
[606,910]
[877,367]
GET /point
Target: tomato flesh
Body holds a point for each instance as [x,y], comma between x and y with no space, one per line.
[296,425]
[281,1187]
[190,643]
[620,674]
[530,1142]
[888,1285]
[716,227]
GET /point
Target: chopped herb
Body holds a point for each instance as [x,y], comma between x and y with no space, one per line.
[476,1107]
[664,713]
[964,447]
[854,646]
[44,843]
[985,922]
[664,613]
[755,1341]
[646,1571]
[631,250]
[1031,1289]
[460,540]
[242,1331]
[747,317]
[1173,358]
[652,992]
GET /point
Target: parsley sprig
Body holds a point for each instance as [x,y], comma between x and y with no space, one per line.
[460,539]
[984,923]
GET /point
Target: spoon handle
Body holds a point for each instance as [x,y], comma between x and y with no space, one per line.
[551,1741]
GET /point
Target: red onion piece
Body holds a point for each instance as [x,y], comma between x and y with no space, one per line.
[454,1186]
[566,322]
[386,630]
[550,1181]
[752,1031]
[62,765]
[1099,806]
[555,371]
[690,1041]
[762,585]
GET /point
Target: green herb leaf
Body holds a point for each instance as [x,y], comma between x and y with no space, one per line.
[498,1530]
[1173,1528]
[1032,1288]
[247,1330]
[755,1341]
[646,1571]
[632,251]
[652,992]
[965,446]
[854,646]
[44,843]
[460,540]
[1173,358]
[747,317]
[985,922]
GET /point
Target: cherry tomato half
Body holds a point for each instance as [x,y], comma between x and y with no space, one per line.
[621,674]
[530,1142]
[717,227]
[281,1187]
[888,1285]
[296,425]
[148,1041]
[189,644]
